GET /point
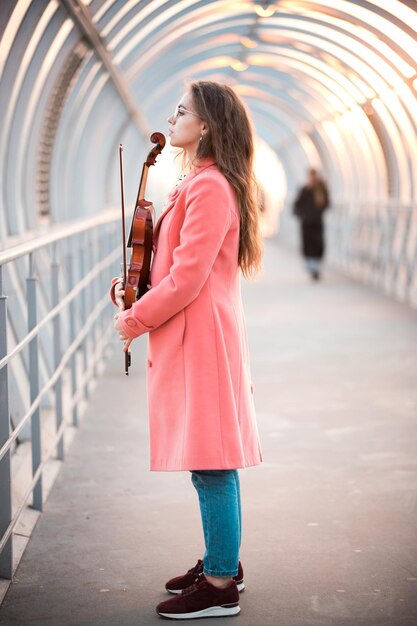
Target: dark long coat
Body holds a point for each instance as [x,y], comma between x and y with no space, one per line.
[309,208]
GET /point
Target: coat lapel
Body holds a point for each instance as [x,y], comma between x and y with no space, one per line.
[168,206]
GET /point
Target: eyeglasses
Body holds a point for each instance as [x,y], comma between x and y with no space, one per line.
[180,110]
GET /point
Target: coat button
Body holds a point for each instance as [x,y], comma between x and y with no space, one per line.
[149,363]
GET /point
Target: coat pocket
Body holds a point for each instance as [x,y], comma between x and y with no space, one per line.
[171,333]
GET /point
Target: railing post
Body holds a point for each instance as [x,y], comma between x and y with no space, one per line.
[101,288]
[6,556]
[31,286]
[57,352]
[93,299]
[101,253]
[110,271]
[413,262]
[72,320]
[83,311]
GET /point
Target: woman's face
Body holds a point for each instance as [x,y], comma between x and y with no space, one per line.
[186,127]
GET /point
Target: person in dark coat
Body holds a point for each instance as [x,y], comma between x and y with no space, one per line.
[309,206]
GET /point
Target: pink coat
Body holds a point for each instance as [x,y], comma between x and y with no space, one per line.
[201,411]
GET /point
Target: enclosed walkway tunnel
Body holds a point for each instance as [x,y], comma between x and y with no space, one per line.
[330,84]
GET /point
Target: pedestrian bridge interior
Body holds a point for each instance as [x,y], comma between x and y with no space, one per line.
[330,84]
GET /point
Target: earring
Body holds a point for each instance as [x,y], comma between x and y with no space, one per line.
[201,136]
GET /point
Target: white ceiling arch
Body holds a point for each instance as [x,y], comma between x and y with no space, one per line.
[334,74]
[355,54]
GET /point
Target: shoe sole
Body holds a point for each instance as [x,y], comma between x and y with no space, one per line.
[213,611]
[240,587]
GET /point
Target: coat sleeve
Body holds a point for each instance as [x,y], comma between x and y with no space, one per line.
[207,220]
[112,289]
[298,203]
[327,197]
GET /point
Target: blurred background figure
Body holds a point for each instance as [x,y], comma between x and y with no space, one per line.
[309,206]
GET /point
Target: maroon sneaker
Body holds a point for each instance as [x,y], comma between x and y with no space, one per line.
[202,599]
[176,585]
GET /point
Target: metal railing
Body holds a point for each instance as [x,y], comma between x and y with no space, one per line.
[374,243]
[67,278]
[377,245]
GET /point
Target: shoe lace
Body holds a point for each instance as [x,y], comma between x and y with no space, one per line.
[196,568]
[193,587]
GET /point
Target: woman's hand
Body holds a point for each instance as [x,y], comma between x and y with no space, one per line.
[119,293]
[122,336]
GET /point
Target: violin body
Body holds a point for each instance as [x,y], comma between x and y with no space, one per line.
[140,240]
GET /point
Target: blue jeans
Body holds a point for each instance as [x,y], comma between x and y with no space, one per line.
[313,265]
[219,496]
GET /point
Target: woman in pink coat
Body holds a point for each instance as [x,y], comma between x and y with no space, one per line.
[200,395]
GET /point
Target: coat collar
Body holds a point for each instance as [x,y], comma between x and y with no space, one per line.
[172,196]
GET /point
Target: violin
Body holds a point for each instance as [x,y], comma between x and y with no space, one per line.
[136,275]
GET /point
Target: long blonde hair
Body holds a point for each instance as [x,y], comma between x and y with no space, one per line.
[229,142]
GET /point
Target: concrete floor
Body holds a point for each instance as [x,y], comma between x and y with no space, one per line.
[330,522]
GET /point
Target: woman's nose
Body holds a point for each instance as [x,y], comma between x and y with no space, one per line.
[171,119]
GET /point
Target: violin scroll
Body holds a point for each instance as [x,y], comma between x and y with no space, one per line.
[159,140]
